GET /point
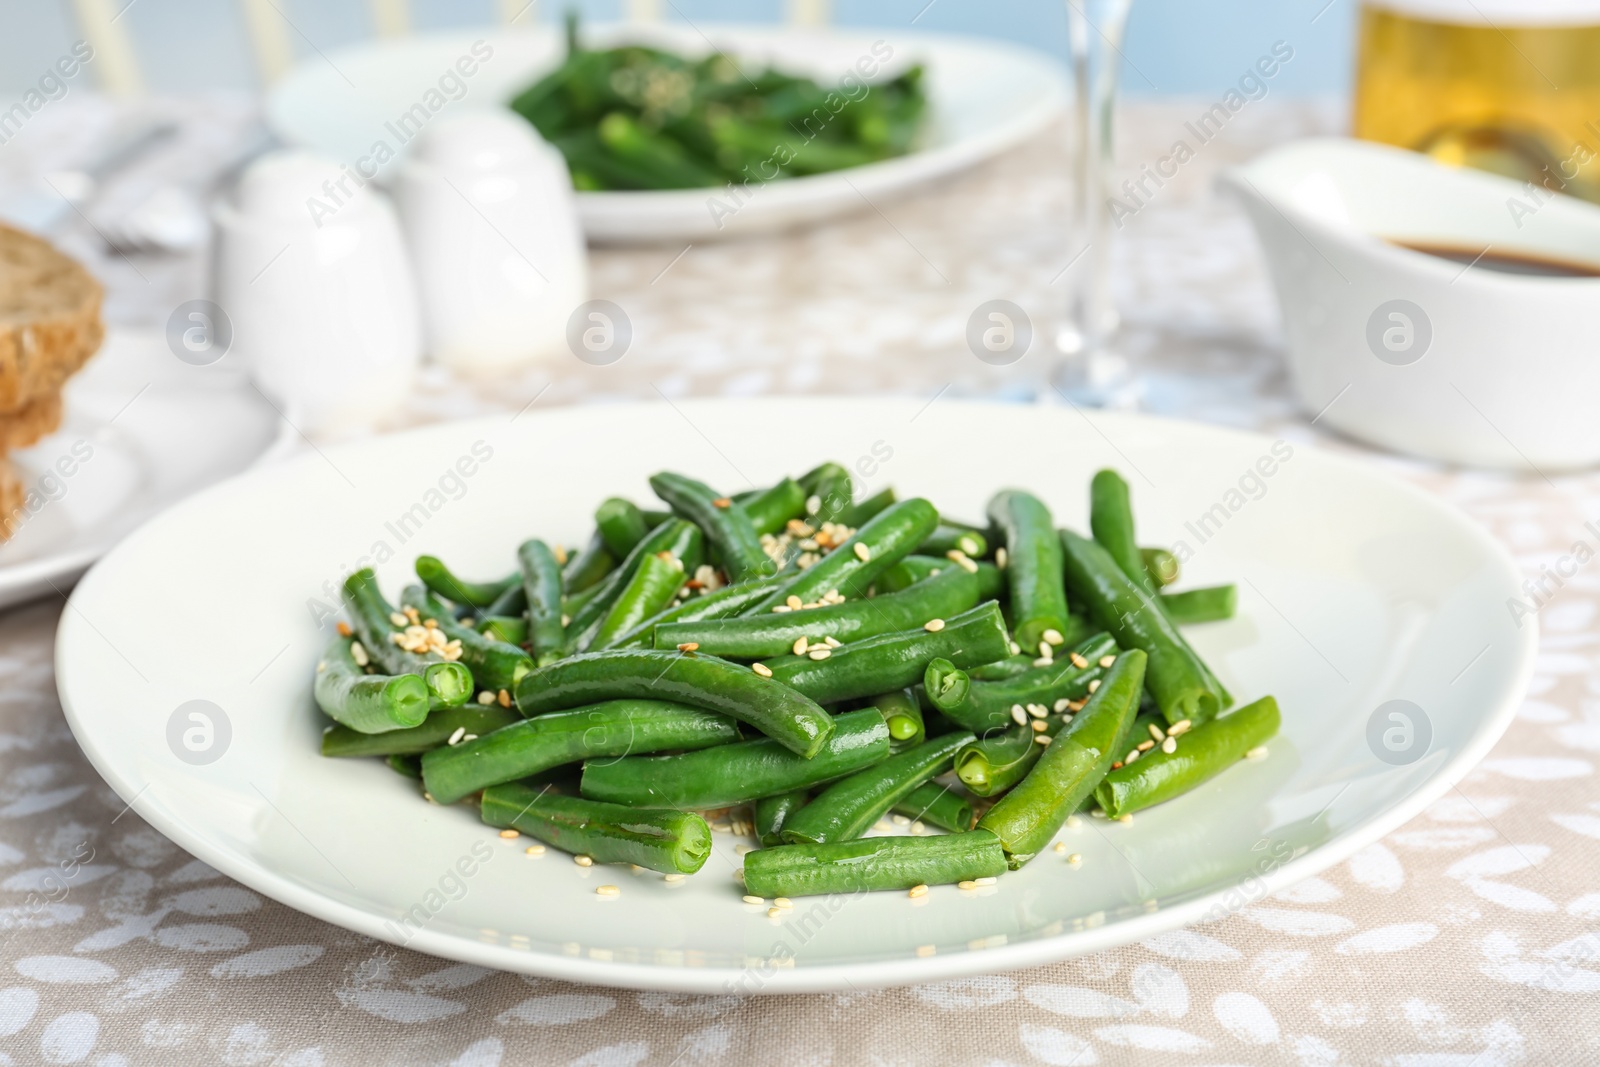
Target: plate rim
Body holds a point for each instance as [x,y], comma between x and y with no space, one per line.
[832,977]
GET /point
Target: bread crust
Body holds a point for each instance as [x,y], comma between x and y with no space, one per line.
[49,319]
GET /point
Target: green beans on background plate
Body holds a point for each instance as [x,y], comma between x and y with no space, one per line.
[653,587]
[449,683]
[873,863]
[983,706]
[775,709]
[495,665]
[738,773]
[894,660]
[770,510]
[367,703]
[916,568]
[542,586]
[620,524]
[612,728]
[902,713]
[723,603]
[848,808]
[1033,568]
[1193,757]
[936,805]
[726,525]
[1072,764]
[1111,523]
[676,537]
[998,760]
[851,568]
[432,572]
[1212,603]
[437,729]
[772,812]
[673,842]
[1161,565]
[772,634]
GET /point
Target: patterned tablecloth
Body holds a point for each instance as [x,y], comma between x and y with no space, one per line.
[1469,937]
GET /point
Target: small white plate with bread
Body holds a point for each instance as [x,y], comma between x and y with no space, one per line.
[99,430]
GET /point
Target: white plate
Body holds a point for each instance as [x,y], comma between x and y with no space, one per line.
[1355,589]
[140,430]
[984,97]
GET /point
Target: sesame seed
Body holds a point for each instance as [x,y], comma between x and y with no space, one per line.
[505,698]
[322,665]
[1000,557]
[1043,661]
[774,913]
[583,861]
[1062,705]
[738,875]
[358,652]
[967,565]
[813,504]
[833,642]
[1076,859]
[1117,766]
[1094,684]
[674,877]
[1041,739]
[414,615]
[1046,650]
[762,669]
[486,697]
[742,850]
[343,628]
[1014,647]
[688,646]
[988,879]
[820,653]
[801,643]
[1181,726]
[901,820]
[456,737]
[1078,661]
[750,898]
[566,620]
[1259,752]
[1170,745]
[560,554]
[607,891]
[918,828]
[794,602]
[1053,636]
[1060,846]
[966,885]
[1132,757]
[1098,813]
[509,834]
[1106,661]
[1146,745]
[783,902]
[933,626]
[534,850]
[1038,711]
[863,553]
[1155,732]
[428,797]
[1040,726]
[1018,714]
[722,502]
[1073,822]
[781,608]
[1125,817]
[397,618]
[917,891]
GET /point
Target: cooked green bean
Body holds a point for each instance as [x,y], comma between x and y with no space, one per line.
[848,808]
[1111,523]
[723,603]
[512,629]
[653,587]
[996,762]
[985,706]
[620,524]
[1178,682]
[917,568]
[829,492]
[947,538]
[706,682]
[738,773]
[439,578]
[1161,564]
[513,601]
[1211,603]
[367,703]
[588,567]
[771,509]
[1195,757]
[724,522]
[937,806]
[410,766]
[902,712]
[859,513]
[436,729]
[449,683]
[851,568]
[774,633]
[772,812]
[495,665]
[1033,568]
[873,863]
[673,842]
[1072,764]
[612,728]
[676,536]
[894,660]
[542,586]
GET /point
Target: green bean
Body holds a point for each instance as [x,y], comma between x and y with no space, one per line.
[916,568]
[722,603]
[873,863]
[985,706]
[513,601]
[706,682]
[1073,763]
[1001,669]
[495,665]
[848,808]
[669,164]
[1161,565]
[620,524]
[512,629]
[612,728]
[771,509]
[410,766]
[996,762]
[1178,682]
[368,703]
[829,492]
[674,842]
[932,803]
[449,683]
[1211,603]
[436,729]
[1111,523]
[947,538]
[902,712]
[653,588]
[863,511]
[851,568]
[738,773]
[1033,568]
[436,576]
[676,536]
[775,633]
[588,567]
[726,525]
[772,812]
[1197,756]
[893,660]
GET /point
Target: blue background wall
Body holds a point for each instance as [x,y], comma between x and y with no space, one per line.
[1173,46]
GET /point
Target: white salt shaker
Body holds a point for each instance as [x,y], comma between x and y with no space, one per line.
[310,268]
[493,230]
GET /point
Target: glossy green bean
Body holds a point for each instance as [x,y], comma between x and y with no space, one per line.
[738,773]
[774,633]
[449,683]
[1212,603]
[495,665]
[512,629]
[673,842]
[1176,679]
[853,566]
[1198,755]
[935,805]
[902,712]
[771,509]
[367,703]
[985,706]
[863,511]
[1074,762]
[439,578]
[722,603]
[772,812]
[513,601]
[829,492]
[410,766]
[947,538]
[436,729]
[916,568]
[1001,669]
[526,748]
[1161,564]
[542,587]
[1033,567]
[775,709]
[588,566]
[679,537]
[848,808]
[652,588]
[1111,523]
[873,863]
[894,660]
[724,522]
[620,524]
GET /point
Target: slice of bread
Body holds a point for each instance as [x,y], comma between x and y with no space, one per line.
[49,320]
[29,423]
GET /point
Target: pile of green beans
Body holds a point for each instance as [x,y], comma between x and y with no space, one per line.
[841,668]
